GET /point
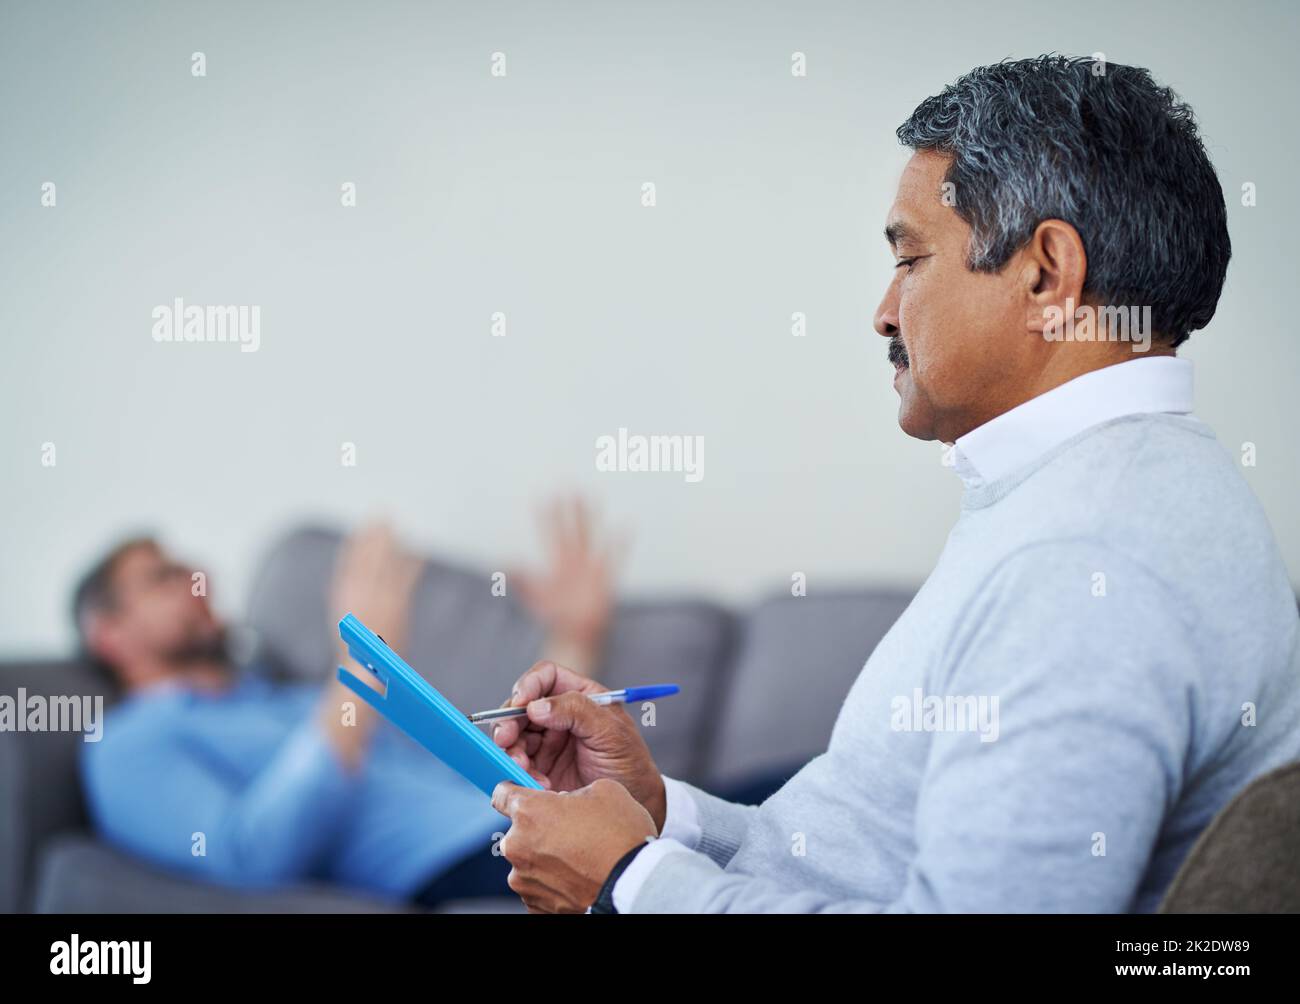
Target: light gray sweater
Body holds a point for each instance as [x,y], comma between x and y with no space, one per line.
[1123,601]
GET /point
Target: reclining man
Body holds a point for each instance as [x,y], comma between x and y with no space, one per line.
[224,776]
[1111,590]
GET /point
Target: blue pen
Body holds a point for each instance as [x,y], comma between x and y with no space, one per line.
[625,696]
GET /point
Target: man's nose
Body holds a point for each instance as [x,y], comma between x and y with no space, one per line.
[886,319]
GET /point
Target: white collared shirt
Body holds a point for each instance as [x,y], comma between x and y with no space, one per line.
[995,449]
[681,834]
[1020,436]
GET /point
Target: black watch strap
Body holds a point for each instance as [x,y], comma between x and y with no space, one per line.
[605,898]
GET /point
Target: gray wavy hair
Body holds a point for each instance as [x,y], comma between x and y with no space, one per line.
[1101,146]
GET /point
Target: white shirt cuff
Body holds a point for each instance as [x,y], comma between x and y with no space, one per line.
[681,817]
[634,876]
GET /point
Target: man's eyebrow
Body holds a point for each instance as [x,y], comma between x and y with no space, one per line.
[895,233]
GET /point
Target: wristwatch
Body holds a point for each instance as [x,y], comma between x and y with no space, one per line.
[605,898]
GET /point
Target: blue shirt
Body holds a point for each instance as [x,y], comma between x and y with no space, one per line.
[250,770]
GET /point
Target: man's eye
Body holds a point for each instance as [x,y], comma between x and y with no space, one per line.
[904,261]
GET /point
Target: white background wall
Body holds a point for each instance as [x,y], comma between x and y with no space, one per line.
[521,195]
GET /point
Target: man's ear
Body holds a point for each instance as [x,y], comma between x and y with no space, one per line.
[1055,267]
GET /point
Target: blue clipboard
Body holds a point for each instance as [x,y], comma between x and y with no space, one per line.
[411,703]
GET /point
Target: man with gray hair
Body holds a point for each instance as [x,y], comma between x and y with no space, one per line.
[1111,590]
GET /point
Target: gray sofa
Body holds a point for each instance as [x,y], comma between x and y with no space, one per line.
[760,692]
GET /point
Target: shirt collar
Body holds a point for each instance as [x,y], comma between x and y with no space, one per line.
[1020,436]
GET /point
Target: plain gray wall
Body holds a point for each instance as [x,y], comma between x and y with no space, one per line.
[522,194]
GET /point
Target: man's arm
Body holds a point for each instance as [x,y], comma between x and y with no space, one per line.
[694,820]
[374,578]
[166,800]
[573,597]
[704,822]
[1062,810]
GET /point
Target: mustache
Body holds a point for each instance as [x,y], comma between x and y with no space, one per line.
[897,353]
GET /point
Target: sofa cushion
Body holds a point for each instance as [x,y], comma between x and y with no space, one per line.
[78,874]
[472,645]
[797,659]
[469,644]
[687,643]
